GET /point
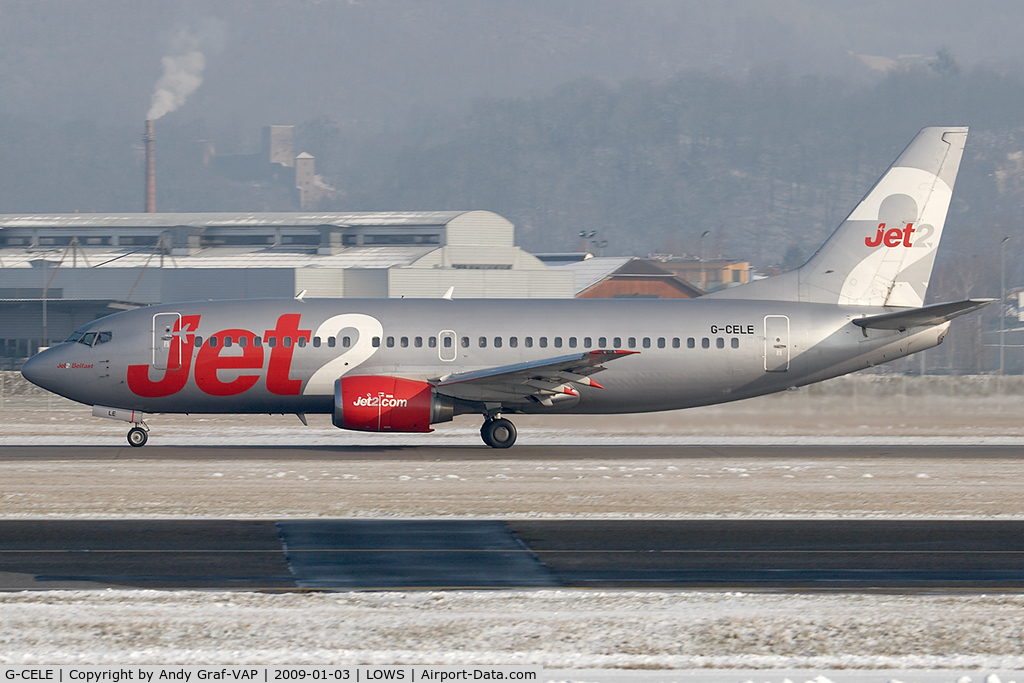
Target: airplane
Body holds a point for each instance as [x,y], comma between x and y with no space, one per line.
[402,365]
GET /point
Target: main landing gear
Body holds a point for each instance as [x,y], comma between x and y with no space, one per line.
[138,435]
[497,432]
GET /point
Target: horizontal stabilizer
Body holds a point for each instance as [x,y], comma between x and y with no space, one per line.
[928,316]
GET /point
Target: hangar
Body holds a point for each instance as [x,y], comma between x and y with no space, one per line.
[60,271]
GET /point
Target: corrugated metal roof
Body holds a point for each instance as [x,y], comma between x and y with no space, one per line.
[353,257]
[591,271]
[209,220]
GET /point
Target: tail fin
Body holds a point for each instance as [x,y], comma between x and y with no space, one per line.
[882,254]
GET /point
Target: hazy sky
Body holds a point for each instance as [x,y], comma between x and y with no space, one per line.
[366,61]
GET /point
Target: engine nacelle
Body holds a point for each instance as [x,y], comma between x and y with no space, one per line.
[377,403]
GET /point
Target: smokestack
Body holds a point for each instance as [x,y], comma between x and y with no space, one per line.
[150,168]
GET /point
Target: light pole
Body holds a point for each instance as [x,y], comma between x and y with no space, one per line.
[1002,303]
[703,274]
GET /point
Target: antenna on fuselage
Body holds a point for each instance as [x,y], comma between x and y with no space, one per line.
[448,294]
[298,297]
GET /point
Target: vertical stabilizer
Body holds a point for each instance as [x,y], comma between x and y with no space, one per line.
[882,254]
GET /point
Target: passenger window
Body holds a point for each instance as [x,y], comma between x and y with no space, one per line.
[465,342]
[720,343]
[602,342]
[391,342]
[543,342]
[647,342]
[735,343]
[244,341]
[661,342]
[558,342]
[286,342]
[691,343]
[301,341]
[404,341]
[316,342]
[586,342]
[497,342]
[199,341]
[675,342]
[375,342]
[347,342]
[483,342]
[258,341]
[432,342]
[617,342]
[103,337]
[572,342]
[705,343]
[418,342]
[331,342]
[513,342]
[271,342]
[529,342]
[447,342]
[227,342]
[632,342]
[213,342]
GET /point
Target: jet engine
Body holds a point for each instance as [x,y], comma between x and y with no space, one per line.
[377,403]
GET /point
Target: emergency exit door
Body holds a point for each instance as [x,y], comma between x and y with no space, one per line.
[167,341]
[776,343]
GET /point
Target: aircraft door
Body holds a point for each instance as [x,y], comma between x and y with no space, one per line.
[776,343]
[446,349]
[166,341]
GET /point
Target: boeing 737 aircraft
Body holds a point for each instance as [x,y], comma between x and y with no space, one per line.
[401,365]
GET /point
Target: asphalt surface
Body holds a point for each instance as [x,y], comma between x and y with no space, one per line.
[850,555]
[482,452]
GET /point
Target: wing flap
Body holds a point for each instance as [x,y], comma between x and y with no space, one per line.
[936,314]
[534,379]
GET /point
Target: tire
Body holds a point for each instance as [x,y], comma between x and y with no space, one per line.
[500,433]
[137,437]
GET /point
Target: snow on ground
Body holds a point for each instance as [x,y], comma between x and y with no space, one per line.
[557,629]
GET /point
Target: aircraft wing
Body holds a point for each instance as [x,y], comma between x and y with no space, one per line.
[540,379]
[936,314]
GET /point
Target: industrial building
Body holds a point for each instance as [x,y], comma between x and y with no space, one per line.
[60,271]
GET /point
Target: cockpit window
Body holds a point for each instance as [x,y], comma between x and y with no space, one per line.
[103,337]
[75,336]
[88,338]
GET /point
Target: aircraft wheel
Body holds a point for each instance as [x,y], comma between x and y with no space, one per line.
[500,433]
[137,437]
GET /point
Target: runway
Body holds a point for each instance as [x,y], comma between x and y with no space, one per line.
[480,452]
[289,555]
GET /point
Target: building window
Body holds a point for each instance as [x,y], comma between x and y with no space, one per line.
[513,342]
[735,343]
[705,343]
[497,342]
[558,342]
[720,343]
[404,341]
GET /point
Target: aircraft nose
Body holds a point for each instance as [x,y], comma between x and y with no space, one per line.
[40,369]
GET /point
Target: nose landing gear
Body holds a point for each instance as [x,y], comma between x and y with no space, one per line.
[498,432]
[138,435]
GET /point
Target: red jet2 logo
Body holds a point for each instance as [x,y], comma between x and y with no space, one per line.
[893,237]
[208,361]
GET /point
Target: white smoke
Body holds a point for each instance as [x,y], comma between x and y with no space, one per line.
[182,75]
